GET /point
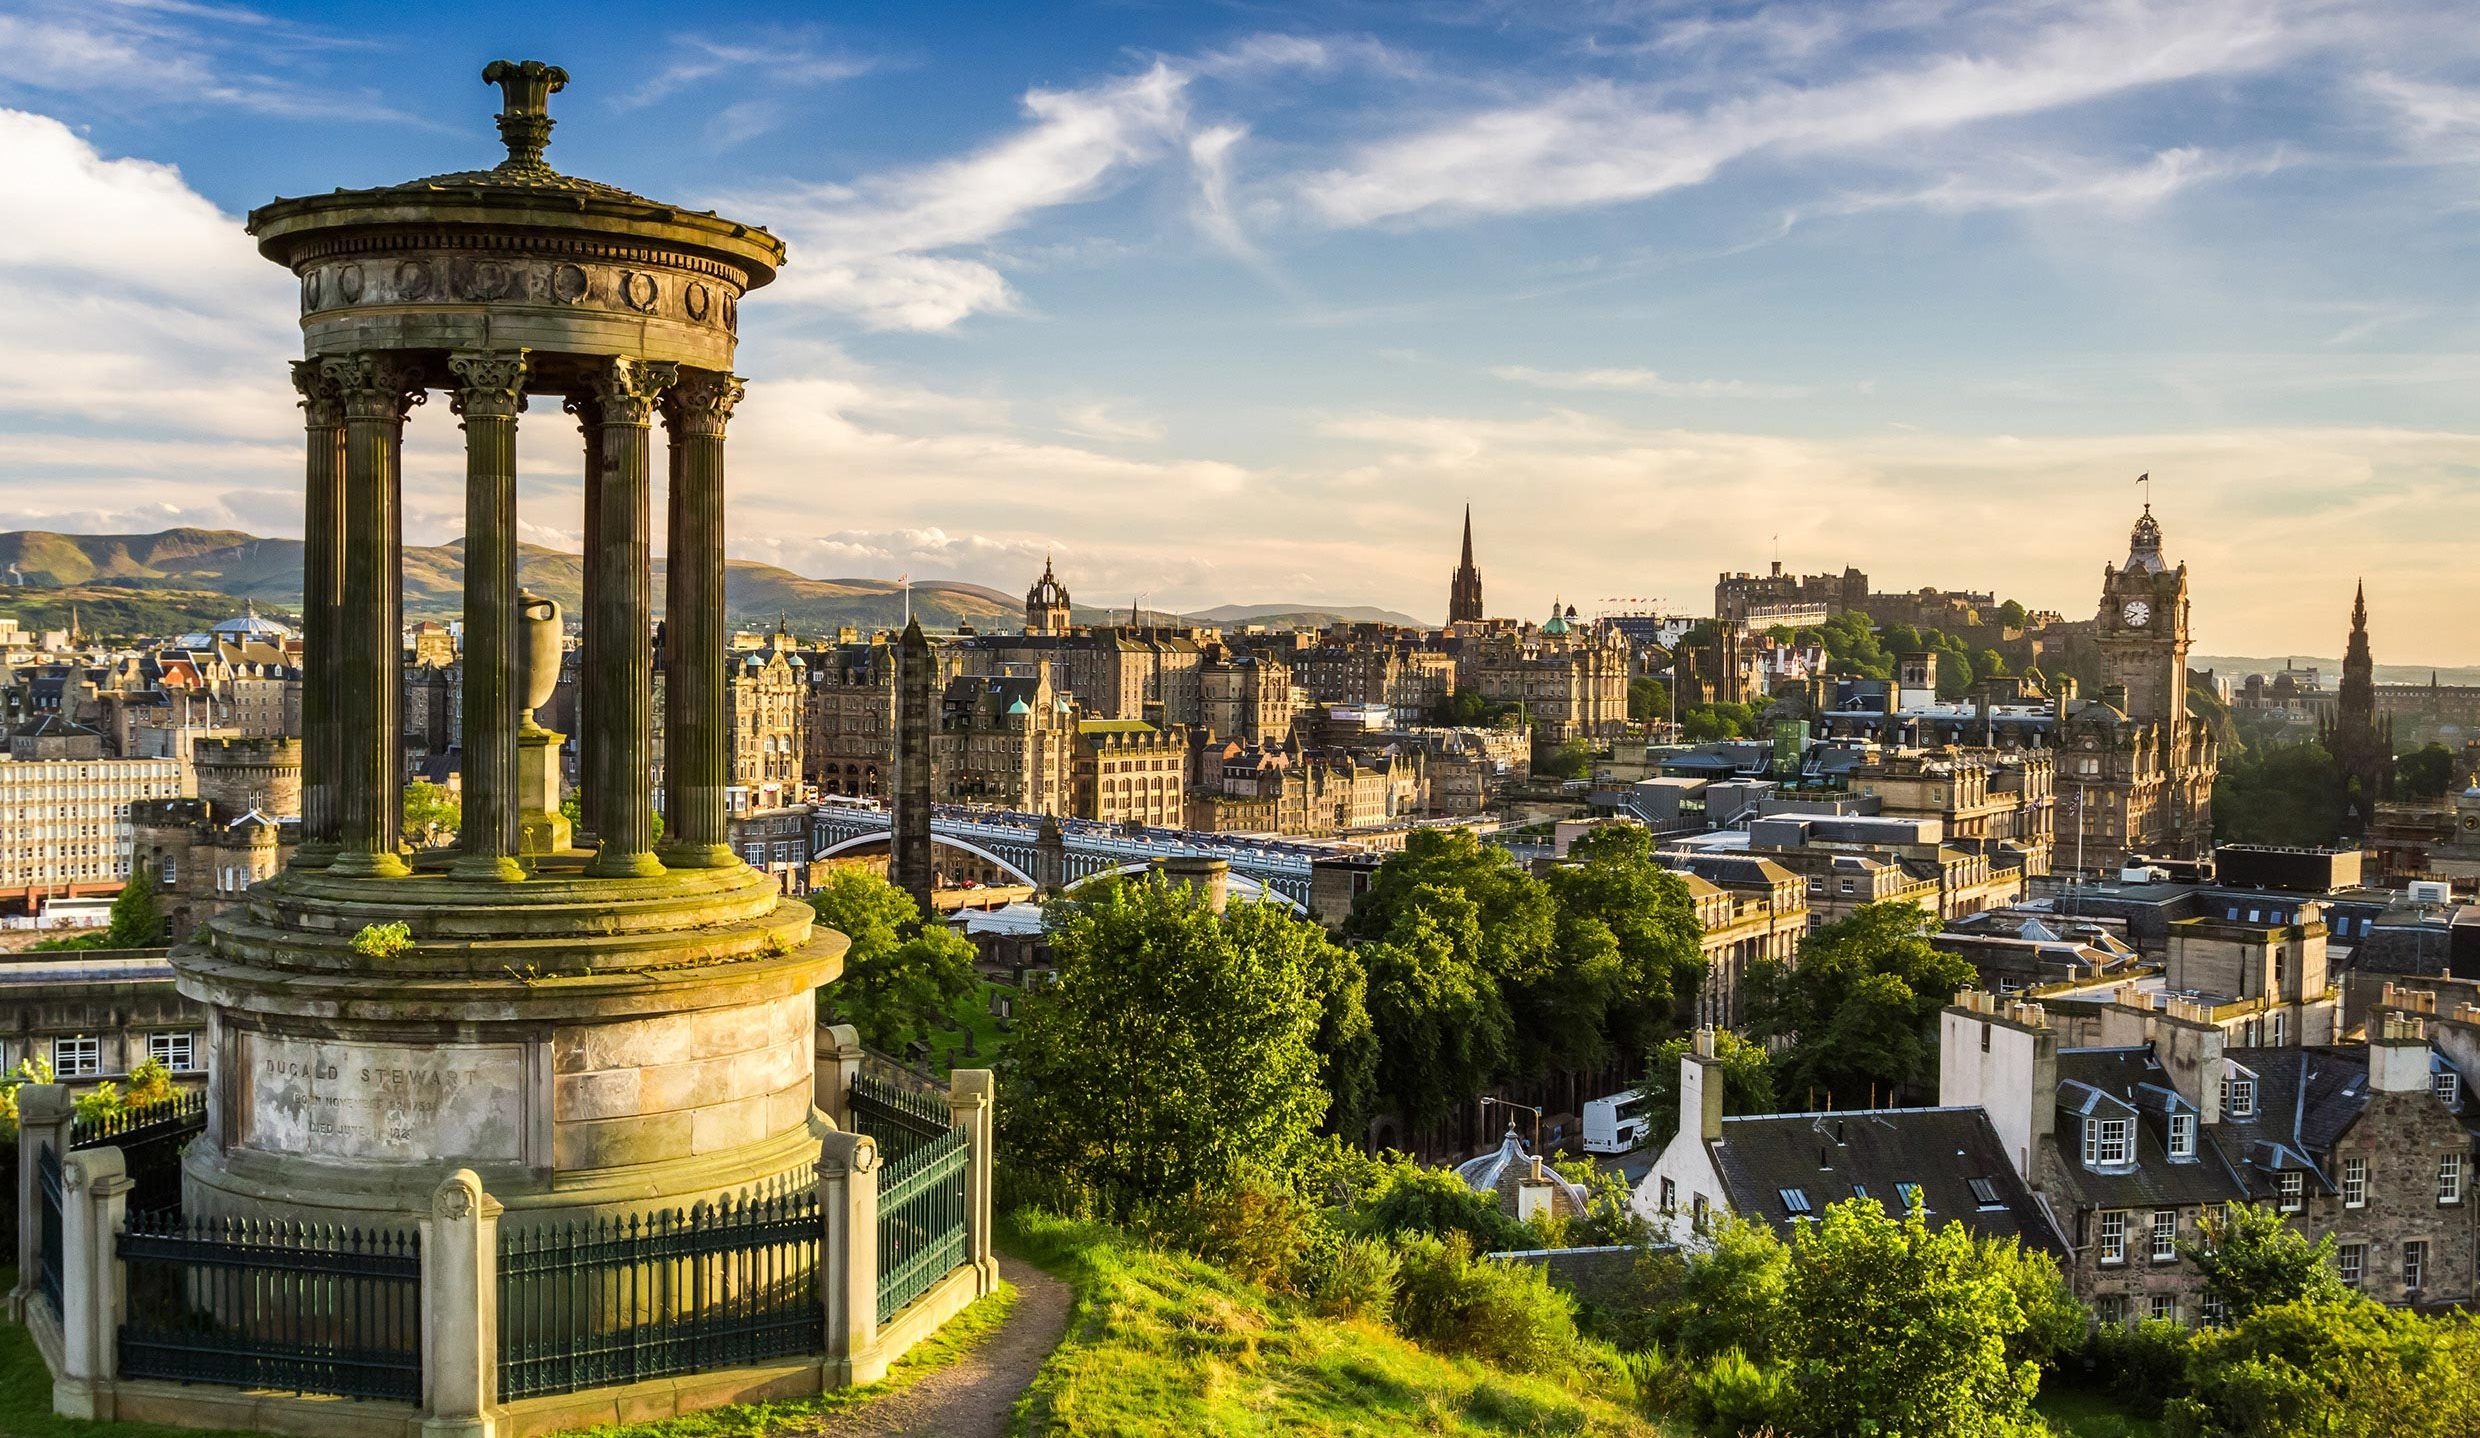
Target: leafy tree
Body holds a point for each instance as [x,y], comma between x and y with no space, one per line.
[1648,699]
[1346,1042]
[2338,1368]
[1570,760]
[2011,614]
[2424,773]
[1463,709]
[2281,794]
[432,814]
[901,978]
[1955,676]
[1747,1080]
[2054,1322]
[138,912]
[1859,1007]
[1443,1028]
[1891,1326]
[1174,1046]
[1628,947]
[1705,723]
[2250,1259]
[1517,915]
[1726,1296]
[1989,664]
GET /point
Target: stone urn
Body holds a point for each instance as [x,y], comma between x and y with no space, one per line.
[538,648]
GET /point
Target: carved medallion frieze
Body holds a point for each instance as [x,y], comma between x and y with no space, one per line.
[462,279]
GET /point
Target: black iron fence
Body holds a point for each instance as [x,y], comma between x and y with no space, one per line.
[150,1139]
[262,1304]
[586,1304]
[899,1118]
[921,1219]
[47,1193]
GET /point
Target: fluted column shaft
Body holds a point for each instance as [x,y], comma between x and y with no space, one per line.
[378,390]
[322,598]
[697,746]
[620,605]
[490,394]
[591,780]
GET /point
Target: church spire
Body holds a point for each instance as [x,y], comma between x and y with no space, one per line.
[1464,592]
[1468,537]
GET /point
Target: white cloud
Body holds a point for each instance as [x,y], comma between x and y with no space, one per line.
[1598,142]
[1645,381]
[157,52]
[1100,421]
[876,248]
[789,61]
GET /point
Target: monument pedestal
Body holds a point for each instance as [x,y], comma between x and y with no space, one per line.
[541,827]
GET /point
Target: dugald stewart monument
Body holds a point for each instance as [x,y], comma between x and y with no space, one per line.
[494,1133]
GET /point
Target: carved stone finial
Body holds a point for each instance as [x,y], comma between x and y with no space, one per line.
[526,87]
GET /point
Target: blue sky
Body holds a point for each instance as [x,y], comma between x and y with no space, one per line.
[1241,302]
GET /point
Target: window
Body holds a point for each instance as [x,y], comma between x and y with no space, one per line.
[2114,1237]
[2354,1182]
[176,1051]
[2447,1085]
[2293,1189]
[1794,1200]
[1985,1034]
[2107,1140]
[1859,1190]
[2278,1029]
[2165,1235]
[2165,1308]
[77,1057]
[2182,1135]
[1670,1195]
[1905,1194]
[2351,1261]
[2213,1311]
[169,870]
[2238,1096]
[2111,1310]
[2415,1264]
[2450,1178]
[1985,1193]
[1696,1213]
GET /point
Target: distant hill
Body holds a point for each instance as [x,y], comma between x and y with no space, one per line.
[189,578]
[2238,668]
[1297,616]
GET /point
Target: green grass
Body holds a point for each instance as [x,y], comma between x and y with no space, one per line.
[2082,1413]
[971,1015]
[961,1335]
[26,1394]
[1161,1343]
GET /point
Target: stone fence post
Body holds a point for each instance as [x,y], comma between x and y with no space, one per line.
[970,1093]
[839,1063]
[44,1113]
[848,1256]
[460,1310]
[94,1198]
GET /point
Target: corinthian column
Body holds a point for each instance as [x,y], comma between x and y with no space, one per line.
[379,389]
[620,606]
[489,396]
[696,744]
[590,778]
[322,597]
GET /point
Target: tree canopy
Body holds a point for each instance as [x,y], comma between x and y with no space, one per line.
[1859,1008]
[1747,1081]
[2251,1259]
[901,978]
[1174,1045]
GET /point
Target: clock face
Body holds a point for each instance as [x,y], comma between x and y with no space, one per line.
[2137,612]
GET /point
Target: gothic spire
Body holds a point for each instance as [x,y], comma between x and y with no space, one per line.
[1468,536]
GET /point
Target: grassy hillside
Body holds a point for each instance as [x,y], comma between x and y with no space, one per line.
[1160,1343]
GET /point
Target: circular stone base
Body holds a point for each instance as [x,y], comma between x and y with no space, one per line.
[587,1046]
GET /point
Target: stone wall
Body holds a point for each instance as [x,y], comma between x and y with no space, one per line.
[681,1086]
[1597,1276]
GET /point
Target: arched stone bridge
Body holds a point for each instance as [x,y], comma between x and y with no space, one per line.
[1013,842]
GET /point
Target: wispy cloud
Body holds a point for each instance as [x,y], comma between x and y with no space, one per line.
[1101,421]
[1645,381]
[790,61]
[151,53]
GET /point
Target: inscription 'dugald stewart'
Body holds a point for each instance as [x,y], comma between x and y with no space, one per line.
[385,1101]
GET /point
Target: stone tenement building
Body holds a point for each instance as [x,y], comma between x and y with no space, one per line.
[206,851]
[1128,771]
[849,719]
[1244,696]
[1115,673]
[2135,771]
[2134,1141]
[1570,676]
[1989,799]
[1008,741]
[764,705]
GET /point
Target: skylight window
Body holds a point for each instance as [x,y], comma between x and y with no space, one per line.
[1794,1200]
[1985,1193]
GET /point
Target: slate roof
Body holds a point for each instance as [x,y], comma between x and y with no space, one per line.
[2123,1081]
[1825,1158]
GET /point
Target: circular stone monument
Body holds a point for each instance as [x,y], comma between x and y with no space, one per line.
[597,1024]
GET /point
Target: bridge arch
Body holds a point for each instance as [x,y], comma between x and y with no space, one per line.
[1242,885]
[883,839]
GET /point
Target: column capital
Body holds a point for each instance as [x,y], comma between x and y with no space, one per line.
[624,391]
[376,384]
[701,403]
[322,399]
[490,383]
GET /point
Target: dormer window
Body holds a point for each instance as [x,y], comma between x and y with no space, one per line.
[2447,1085]
[2292,1187]
[2182,1135]
[2108,1142]
[2238,1096]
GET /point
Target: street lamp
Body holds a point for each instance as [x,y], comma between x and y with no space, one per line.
[1488,1099]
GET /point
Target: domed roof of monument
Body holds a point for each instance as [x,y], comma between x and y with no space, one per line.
[522,191]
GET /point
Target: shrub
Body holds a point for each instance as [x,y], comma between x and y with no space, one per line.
[1417,1200]
[1252,1225]
[382,941]
[103,1101]
[2143,1367]
[1734,1396]
[1356,1278]
[1501,1313]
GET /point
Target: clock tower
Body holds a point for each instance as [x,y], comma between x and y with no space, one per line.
[2142,631]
